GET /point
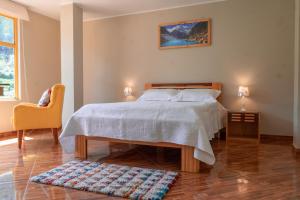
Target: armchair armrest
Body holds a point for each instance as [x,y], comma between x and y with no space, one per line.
[30,108]
[30,116]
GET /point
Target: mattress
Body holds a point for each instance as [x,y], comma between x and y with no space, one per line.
[185,123]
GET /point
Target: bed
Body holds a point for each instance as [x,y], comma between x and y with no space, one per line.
[188,126]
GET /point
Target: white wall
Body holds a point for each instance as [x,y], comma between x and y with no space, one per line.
[253,45]
[71,58]
[41,60]
[297,77]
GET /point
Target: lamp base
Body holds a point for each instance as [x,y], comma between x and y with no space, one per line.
[243,109]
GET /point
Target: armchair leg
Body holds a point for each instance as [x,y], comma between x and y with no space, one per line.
[20,138]
[55,135]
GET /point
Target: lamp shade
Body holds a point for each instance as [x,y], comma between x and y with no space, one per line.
[243,91]
[127,91]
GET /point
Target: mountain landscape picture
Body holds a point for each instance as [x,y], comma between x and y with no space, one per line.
[185,34]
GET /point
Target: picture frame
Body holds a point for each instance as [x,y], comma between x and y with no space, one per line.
[185,34]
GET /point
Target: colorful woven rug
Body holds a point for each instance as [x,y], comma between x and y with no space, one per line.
[110,179]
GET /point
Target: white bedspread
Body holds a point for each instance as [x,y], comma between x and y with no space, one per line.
[186,123]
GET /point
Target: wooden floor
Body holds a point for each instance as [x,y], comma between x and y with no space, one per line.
[242,171]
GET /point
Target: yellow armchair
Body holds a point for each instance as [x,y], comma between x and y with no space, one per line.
[28,116]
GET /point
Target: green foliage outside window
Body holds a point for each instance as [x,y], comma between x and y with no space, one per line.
[7,57]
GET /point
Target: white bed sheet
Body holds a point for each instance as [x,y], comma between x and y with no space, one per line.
[185,123]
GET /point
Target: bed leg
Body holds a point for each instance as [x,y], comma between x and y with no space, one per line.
[81,147]
[188,162]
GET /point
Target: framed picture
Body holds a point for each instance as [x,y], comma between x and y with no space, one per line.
[193,33]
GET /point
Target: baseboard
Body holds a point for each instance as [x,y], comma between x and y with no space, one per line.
[271,139]
[263,137]
[277,137]
[296,149]
[8,134]
[14,133]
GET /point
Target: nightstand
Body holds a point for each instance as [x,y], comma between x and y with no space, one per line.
[242,126]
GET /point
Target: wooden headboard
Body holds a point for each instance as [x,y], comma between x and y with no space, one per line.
[209,85]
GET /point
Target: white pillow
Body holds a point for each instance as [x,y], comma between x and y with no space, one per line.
[45,99]
[158,95]
[196,95]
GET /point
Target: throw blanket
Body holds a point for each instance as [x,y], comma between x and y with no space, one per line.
[185,123]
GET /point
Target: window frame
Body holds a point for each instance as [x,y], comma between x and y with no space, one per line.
[16,58]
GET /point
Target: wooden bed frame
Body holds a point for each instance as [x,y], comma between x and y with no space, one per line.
[188,162]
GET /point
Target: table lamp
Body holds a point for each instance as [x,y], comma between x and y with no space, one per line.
[128,91]
[243,92]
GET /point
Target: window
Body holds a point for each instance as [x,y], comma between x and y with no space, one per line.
[8,57]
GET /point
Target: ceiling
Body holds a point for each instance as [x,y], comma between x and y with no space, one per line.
[97,9]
